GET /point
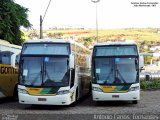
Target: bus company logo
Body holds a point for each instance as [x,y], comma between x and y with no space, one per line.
[36,89]
[8,70]
[107,86]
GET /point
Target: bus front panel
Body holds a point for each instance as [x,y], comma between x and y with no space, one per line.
[115,73]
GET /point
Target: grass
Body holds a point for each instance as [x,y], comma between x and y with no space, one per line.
[137,34]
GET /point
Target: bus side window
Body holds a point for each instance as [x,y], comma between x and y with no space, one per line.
[72,77]
[6,59]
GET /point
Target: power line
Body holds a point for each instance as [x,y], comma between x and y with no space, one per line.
[46,10]
[41,21]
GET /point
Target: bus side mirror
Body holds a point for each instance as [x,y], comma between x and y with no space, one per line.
[71,61]
[88,61]
[141,62]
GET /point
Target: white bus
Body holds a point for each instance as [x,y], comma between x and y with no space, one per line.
[115,72]
[9,56]
[53,72]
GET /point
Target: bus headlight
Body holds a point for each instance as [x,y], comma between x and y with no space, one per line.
[97,89]
[63,92]
[22,91]
[134,88]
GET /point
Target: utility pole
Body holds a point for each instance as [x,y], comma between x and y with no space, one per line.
[41,29]
[96,23]
[41,21]
[96,2]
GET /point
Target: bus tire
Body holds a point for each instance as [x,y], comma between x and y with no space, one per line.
[97,103]
[135,102]
[15,93]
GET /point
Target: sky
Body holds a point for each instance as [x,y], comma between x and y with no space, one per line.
[82,13]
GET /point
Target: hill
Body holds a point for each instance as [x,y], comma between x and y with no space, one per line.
[137,34]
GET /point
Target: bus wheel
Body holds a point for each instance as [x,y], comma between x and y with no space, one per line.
[135,102]
[15,93]
[97,103]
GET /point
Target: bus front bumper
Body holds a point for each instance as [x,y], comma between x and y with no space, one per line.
[45,100]
[127,96]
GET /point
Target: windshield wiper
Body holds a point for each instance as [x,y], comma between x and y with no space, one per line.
[47,74]
[109,75]
[97,76]
[35,79]
[118,73]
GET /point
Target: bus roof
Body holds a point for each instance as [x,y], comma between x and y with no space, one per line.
[7,44]
[116,43]
[50,40]
[56,41]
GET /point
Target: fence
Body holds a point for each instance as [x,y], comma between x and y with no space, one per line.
[150,75]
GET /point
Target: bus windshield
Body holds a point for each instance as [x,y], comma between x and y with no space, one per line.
[115,50]
[115,70]
[45,49]
[44,71]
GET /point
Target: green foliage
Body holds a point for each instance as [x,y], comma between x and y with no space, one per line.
[143,84]
[12,17]
[87,41]
[147,59]
[145,42]
[55,35]
[154,84]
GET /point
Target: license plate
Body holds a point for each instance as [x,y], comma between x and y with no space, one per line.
[42,99]
[115,96]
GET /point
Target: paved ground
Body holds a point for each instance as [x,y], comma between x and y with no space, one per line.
[149,104]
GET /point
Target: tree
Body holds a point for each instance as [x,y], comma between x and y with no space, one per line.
[147,59]
[88,41]
[12,17]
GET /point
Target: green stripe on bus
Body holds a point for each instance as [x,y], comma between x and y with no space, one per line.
[49,90]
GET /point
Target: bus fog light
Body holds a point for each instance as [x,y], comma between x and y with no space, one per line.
[134,88]
[22,91]
[97,89]
[63,92]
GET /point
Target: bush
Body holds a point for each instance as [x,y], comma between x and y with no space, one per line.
[155,84]
[143,84]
